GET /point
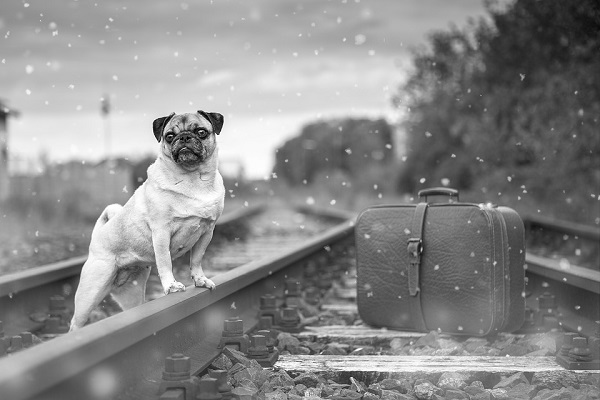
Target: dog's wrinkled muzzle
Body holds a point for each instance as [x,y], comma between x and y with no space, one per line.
[186,149]
[186,155]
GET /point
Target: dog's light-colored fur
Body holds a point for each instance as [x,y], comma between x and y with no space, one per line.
[173,212]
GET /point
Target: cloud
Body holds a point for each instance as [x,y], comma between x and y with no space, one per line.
[330,74]
[216,78]
[266,64]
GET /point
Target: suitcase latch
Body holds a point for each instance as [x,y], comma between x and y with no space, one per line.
[415,249]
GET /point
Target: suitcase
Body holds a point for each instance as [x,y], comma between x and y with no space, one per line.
[453,267]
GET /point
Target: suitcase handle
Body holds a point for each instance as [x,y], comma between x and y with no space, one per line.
[438,191]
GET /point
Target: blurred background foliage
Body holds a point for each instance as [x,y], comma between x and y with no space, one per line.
[349,146]
[505,109]
[511,106]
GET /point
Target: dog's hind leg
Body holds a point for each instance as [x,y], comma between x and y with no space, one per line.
[96,279]
[109,212]
[132,291]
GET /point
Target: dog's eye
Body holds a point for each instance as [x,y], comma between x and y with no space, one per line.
[202,132]
[169,137]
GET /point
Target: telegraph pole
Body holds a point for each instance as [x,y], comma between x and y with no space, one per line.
[107,177]
[105,111]
[5,112]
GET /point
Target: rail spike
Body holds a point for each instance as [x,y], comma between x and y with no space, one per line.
[233,335]
[177,375]
[260,351]
[222,385]
[268,308]
[208,389]
[575,353]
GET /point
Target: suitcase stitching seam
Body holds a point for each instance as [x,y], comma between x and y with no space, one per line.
[490,222]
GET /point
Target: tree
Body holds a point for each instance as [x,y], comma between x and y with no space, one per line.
[510,104]
[346,145]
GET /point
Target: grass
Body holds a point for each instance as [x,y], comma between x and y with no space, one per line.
[39,232]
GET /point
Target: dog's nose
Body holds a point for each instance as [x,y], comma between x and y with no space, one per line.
[186,138]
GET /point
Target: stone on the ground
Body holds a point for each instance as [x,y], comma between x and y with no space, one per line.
[512,380]
[452,380]
[424,390]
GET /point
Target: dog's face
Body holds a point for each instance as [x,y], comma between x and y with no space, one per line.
[188,139]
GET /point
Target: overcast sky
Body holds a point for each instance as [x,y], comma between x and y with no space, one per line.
[267,66]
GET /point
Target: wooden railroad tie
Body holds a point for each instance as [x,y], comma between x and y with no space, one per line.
[354,334]
[484,369]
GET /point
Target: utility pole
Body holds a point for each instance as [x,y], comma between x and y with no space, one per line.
[108,173]
[5,112]
[105,111]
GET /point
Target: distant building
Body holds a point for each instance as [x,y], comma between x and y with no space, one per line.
[81,185]
[5,112]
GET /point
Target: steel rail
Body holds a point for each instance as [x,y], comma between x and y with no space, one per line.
[561,226]
[573,275]
[16,282]
[128,349]
[576,291]
[327,212]
[241,212]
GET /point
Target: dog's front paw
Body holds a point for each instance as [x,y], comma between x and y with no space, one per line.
[175,287]
[202,281]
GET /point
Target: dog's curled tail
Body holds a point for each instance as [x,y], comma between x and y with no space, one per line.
[107,214]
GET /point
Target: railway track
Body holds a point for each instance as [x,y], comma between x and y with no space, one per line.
[568,242]
[27,297]
[571,290]
[124,356]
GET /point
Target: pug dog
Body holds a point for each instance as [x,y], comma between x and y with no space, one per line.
[173,212]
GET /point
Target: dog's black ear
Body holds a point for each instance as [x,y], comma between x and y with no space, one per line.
[215,119]
[159,125]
